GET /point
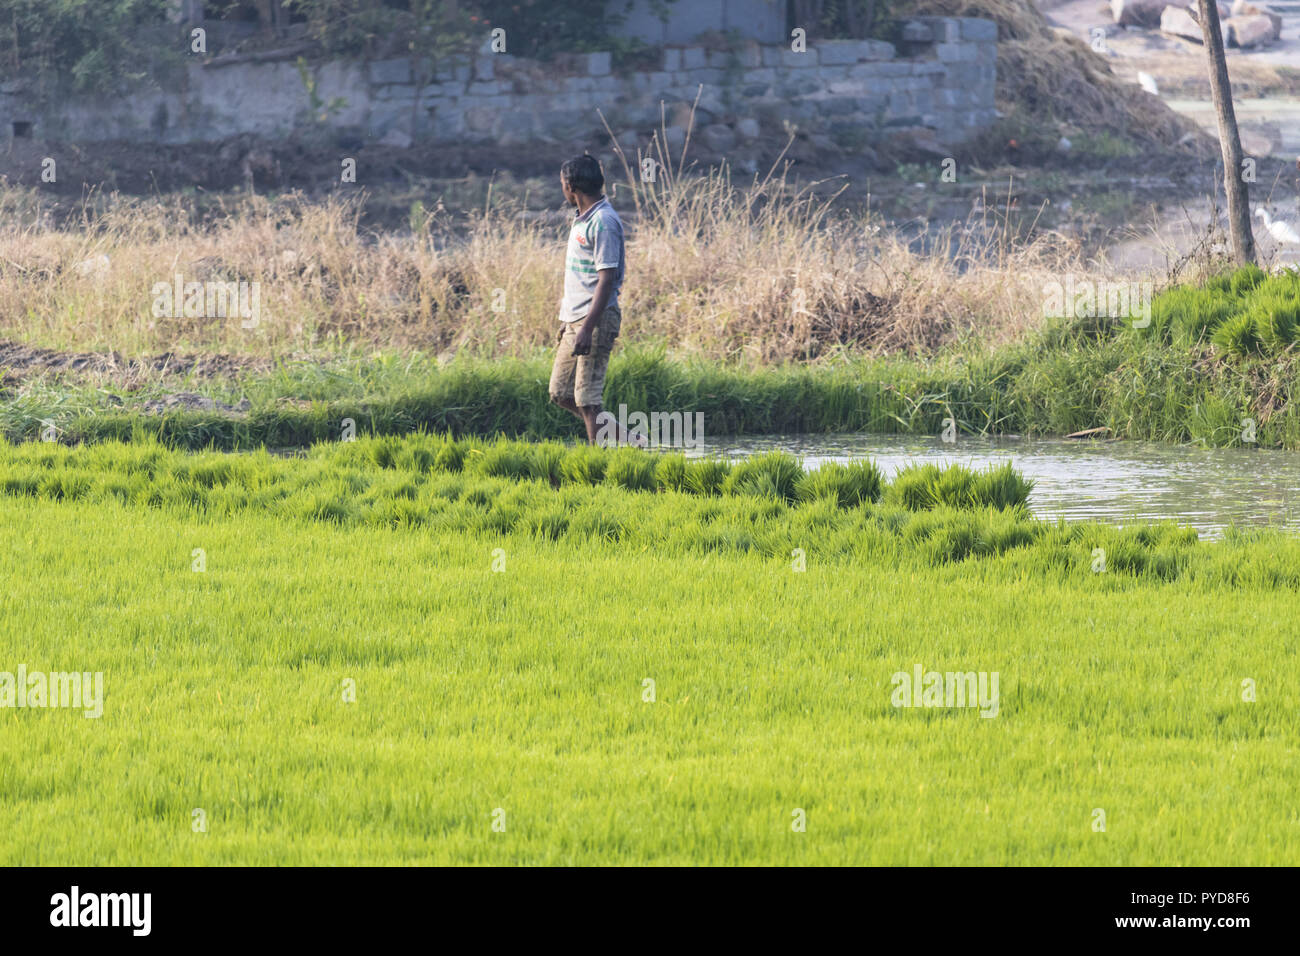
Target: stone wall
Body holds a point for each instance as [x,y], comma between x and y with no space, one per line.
[761,20]
[941,78]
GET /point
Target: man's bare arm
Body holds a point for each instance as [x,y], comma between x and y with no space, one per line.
[599,299]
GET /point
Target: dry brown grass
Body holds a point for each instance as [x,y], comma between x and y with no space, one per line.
[765,272]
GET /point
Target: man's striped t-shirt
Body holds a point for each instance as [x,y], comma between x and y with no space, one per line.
[595,243]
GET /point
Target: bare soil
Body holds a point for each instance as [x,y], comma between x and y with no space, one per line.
[19,362]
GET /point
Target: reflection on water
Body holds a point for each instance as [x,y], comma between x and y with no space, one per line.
[1207,488]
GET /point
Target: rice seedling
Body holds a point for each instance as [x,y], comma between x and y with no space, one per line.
[848,485]
[465,642]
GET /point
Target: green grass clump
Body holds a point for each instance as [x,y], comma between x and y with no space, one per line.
[1276,320]
[1246,279]
[1238,336]
[584,465]
[1186,315]
[849,485]
[503,460]
[706,476]
[670,473]
[1246,313]
[774,474]
[925,487]
[631,469]
[1001,487]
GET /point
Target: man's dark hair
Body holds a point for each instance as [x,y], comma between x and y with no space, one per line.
[583,174]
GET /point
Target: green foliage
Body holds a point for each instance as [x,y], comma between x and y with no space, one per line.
[670,473]
[1276,319]
[852,19]
[1244,313]
[64,46]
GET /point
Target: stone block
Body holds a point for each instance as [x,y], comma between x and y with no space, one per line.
[397,70]
[976,28]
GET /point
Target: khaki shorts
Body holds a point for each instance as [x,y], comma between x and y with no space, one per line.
[582,377]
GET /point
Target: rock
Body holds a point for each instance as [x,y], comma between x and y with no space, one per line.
[1137,13]
[718,137]
[1176,21]
[919,142]
[915,32]
[747,128]
[1243,8]
[1253,30]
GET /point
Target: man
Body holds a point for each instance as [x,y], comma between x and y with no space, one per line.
[589,314]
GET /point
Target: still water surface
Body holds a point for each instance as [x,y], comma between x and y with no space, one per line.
[1207,488]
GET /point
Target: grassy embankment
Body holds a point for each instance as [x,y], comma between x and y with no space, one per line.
[842,328]
[1213,356]
[523,689]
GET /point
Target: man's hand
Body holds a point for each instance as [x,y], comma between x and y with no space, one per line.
[582,342]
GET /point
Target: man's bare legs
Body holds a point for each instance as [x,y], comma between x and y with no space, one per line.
[590,417]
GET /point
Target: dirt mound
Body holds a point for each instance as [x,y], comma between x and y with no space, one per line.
[1049,74]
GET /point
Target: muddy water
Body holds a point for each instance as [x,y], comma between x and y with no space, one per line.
[1209,489]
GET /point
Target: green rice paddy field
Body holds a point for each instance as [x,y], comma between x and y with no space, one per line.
[499,608]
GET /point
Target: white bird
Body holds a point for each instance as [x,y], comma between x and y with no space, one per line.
[1279,230]
[1148,83]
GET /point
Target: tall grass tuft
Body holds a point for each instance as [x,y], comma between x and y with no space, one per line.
[772,475]
[848,485]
